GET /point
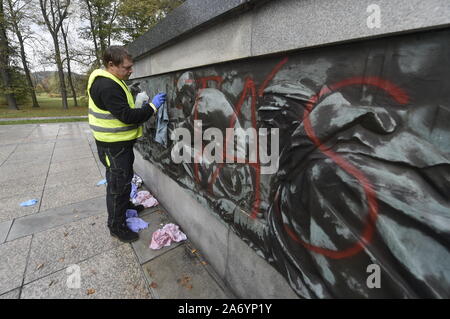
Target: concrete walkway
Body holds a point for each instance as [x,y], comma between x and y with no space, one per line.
[41,118]
[45,246]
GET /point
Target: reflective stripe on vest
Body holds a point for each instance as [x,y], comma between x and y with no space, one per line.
[102,116]
[105,127]
[113,130]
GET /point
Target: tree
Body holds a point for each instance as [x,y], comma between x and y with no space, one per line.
[16,16]
[137,16]
[69,71]
[102,16]
[54,12]
[5,71]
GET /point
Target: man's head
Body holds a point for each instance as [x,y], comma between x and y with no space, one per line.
[118,62]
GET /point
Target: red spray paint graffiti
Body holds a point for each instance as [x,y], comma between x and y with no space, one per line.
[367,234]
[250,91]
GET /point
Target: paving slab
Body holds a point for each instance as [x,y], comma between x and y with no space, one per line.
[57,248]
[23,171]
[13,294]
[74,166]
[29,158]
[156,219]
[45,146]
[76,147]
[5,151]
[179,274]
[10,206]
[25,155]
[55,217]
[4,230]
[61,156]
[22,186]
[69,194]
[112,274]
[89,177]
[72,142]
[12,263]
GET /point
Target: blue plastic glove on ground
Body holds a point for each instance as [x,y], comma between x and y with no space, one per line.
[30,202]
[102,182]
[159,99]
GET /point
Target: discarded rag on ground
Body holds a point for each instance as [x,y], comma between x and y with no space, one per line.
[136,180]
[134,191]
[145,199]
[135,223]
[165,236]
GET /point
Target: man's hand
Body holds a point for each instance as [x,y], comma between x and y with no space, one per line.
[159,99]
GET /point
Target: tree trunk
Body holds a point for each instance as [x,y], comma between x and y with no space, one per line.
[28,76]
[54,27]
[62,83]
[4,62]
[91,20]
[69,72]
[23,54]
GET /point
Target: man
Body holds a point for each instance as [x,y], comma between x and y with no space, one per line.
[116,124]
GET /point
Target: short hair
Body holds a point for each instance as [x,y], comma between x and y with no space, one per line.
[116,54]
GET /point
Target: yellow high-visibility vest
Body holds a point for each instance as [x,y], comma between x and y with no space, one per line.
[105,127]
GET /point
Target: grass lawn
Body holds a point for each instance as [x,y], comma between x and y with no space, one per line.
[49,107]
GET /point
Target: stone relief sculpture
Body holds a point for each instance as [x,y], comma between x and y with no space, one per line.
[363,179]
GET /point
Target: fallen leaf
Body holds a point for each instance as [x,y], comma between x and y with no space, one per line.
[92,224]
[66,234]
[194,251]
[184,281]
[204,263]
[51,283]
[40,266]
[154,285]
[90,292]
[61,260]
[73,247]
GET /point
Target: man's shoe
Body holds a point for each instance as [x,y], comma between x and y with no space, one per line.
[124,234]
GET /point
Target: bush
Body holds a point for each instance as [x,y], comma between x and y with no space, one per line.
[83,101]
[19,88]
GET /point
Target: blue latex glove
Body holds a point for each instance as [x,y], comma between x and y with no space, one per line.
[30,202]
[159,99]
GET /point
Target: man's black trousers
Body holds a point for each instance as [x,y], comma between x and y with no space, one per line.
[119,174]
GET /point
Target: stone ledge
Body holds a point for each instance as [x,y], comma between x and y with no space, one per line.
[247,274]
[257,28]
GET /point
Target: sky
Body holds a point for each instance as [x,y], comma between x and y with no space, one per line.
[38,49]
[42,44]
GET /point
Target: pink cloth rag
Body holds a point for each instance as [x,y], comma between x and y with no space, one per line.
[164,236]
[145,199]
